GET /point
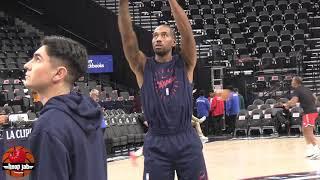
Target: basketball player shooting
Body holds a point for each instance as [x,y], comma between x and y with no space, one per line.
[171,143]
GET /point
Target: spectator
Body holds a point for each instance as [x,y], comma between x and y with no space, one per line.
[203,105]
[217,112]
[137,103]
[232,109]
[3,117]
[94,94]
[241,99]
[4,114]
[37,101]
[210,122]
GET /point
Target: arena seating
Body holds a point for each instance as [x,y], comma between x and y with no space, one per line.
[268,37]
[18,42]
[296,119]
[109,98]
[262,116]
[242,122]
[268,121]
[255,121]
[124,131]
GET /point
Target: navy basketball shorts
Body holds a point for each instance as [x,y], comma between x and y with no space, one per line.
[165,154]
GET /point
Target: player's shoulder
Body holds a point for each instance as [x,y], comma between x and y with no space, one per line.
[302,89]
[51,120]
[53,114]
[53,123]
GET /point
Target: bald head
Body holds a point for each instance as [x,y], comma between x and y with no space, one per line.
[94,94]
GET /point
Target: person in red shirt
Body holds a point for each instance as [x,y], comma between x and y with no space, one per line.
[217,112]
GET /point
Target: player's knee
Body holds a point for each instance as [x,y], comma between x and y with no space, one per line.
[308,130]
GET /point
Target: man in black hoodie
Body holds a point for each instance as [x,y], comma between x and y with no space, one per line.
[66,141]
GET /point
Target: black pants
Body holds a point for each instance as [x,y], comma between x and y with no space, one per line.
[230,123]
[217,124]
[37,106]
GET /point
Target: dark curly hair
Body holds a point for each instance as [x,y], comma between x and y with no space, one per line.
[70,53]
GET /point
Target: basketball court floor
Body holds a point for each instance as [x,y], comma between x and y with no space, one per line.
[241,159]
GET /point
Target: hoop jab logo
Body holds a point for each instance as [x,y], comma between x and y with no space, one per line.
[18,161]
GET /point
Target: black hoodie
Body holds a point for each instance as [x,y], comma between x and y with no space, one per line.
[67,140]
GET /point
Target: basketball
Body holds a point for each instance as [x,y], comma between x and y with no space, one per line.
[18,154]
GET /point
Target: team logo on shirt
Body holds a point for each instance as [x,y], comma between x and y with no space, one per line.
[166,83]
[18,161]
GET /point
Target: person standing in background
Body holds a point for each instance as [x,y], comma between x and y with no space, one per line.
[36,101]
[3,117]
[232,110]
[203,108]
[217,112]
[94,94]
[241,99]
[210,122]
[203,105]
[137,103]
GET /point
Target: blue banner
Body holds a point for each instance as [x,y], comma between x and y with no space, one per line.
[100,64]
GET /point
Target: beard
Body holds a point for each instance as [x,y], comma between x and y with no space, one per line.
[162,52]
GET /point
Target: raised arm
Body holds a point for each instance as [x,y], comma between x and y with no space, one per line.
[188,44]
[134,56]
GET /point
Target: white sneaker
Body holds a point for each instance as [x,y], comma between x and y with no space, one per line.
[204,139]
[309,150]
[316,153]
[202,119]
[139,152]
[315,156]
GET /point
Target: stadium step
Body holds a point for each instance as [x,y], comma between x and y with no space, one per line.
[142,19]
